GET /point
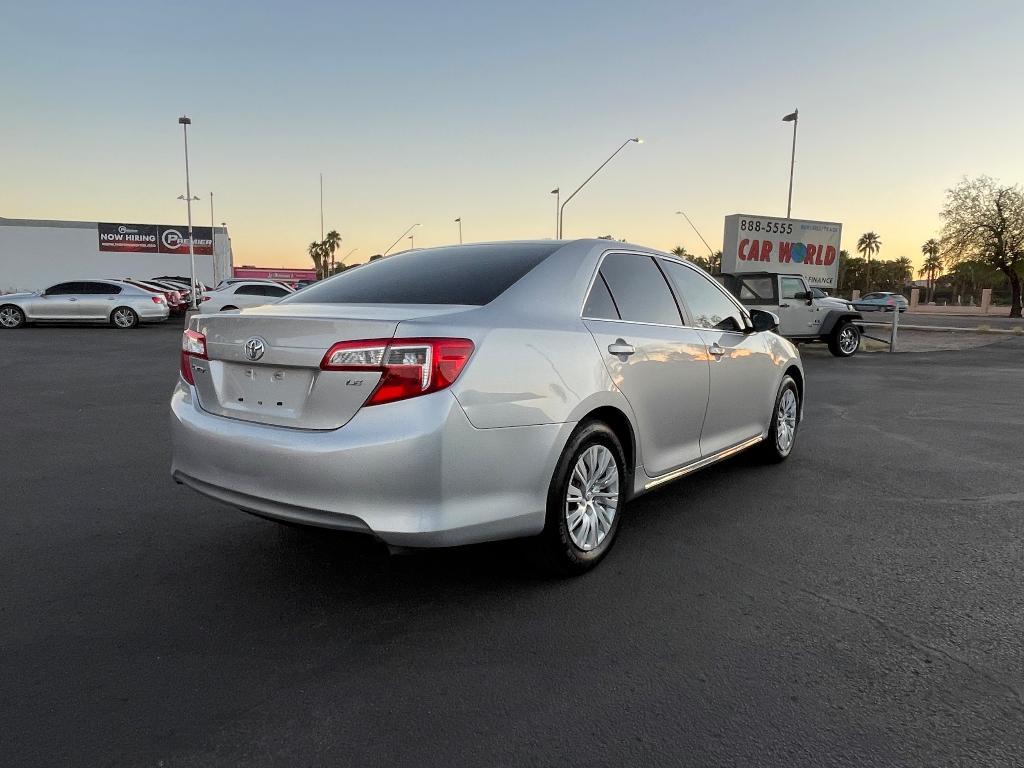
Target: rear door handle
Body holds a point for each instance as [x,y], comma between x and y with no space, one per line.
[621,347]
[716,350]
[72,298]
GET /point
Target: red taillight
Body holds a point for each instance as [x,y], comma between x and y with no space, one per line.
[193,344]
[408,367]
[206,298]
[158,299]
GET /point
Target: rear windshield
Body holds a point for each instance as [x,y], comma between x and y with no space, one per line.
[472,274]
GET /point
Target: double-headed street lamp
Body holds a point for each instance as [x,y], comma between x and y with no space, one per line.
[561,210]
[185,122]
[399,239]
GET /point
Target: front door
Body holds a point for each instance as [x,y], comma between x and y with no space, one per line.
[797,316]
[740,401]
[659,366]
[57,302]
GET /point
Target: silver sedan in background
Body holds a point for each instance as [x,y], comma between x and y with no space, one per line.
[470,393]
[91,301]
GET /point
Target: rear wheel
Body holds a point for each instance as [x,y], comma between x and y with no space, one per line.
[228,308]
[845,340]
[124,317]
[785,420]
[11,316]
[585,500]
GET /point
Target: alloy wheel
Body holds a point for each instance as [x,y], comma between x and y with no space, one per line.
[785,424]
[848,340]
[123,318]
[592,498]
[10,317]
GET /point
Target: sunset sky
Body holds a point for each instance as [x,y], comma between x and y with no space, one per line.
[424,112]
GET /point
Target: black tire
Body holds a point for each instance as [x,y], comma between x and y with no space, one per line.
[124,317]
[841,341]
[561,554]
[13,316]
[774,450]
[227,308]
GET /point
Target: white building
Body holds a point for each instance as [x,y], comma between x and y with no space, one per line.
[35,254]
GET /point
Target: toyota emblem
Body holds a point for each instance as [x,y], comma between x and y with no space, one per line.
[255,347]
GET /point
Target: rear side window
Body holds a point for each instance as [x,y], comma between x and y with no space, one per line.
[101,289]
[249,290]
[273,290]
[639,289]
[474,275]
[709,305]
[600,304]
[757,290]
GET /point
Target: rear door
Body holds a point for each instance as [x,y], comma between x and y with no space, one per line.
[660,366]
[742,371]
[96,301]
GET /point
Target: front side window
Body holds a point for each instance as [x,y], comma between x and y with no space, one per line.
[473,275]
[792,287]
[639,289]
[708,304]
[61,289]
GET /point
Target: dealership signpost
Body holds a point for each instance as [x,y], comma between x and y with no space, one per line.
[787,246]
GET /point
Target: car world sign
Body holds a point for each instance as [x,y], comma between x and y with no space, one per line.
[793,246]
[153,238]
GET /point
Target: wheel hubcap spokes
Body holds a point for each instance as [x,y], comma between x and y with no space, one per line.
[785,429]
[592,499]
[9,318]
[122,318]
[848,340]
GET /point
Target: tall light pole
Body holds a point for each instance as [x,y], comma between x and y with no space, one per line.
[793,117]
[321,207]
[213,239]
[342,261]
[412,242]
[399,239]
[680,213]
[561,210]
[185,122]
[558,229]
[459,222]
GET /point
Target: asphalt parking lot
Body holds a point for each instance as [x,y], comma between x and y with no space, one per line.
[860,604]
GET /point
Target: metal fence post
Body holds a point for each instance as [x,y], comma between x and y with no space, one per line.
[895,327]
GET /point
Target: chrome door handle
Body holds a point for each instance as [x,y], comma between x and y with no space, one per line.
[783,306]
[716,350]
[621,347]
[72,298]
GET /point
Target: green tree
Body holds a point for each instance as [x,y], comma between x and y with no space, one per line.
[680,251]
[868,245]
[906,268]
[331,244]
[984,221]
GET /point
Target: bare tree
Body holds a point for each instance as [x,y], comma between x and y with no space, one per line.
[984,221]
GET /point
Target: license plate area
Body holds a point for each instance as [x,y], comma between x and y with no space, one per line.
[265,390]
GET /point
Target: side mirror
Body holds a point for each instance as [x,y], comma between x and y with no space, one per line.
[803,296]
[763,321]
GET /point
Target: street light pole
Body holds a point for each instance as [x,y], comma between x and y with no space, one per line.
[412,242]
[185,122]
[710,252]
[459,222]
[561,210]
[558,229]
[213,239]
[410,229]
[793,117]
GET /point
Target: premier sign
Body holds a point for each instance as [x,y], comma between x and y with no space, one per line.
[795,246]
[153,238]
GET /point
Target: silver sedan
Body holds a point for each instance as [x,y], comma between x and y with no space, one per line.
[90,301]
[470,393]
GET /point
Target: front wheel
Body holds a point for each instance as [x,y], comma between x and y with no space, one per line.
[585,500]
[124,317]
[11,316]
[845,340]
[785,419]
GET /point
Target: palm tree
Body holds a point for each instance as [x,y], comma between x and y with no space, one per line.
[330,244]
[680,252]
[868,245]
[316,253]
[932,265]
[906,268]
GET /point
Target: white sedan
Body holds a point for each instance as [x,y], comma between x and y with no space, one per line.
[252,293]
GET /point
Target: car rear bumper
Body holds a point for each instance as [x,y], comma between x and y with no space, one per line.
[412,473]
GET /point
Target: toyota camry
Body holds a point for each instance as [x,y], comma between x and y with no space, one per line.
[470,393]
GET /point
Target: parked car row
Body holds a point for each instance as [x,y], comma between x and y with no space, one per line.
[126,302]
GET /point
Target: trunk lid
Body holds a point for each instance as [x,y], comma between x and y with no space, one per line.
[284,385]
